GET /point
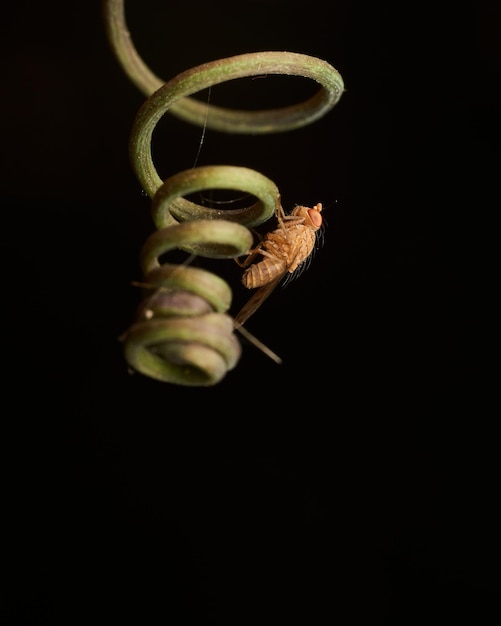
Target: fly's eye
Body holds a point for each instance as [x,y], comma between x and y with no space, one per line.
[315,217]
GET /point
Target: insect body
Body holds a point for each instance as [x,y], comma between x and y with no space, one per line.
[283,251]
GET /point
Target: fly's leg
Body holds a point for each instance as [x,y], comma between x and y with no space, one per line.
[285,222]
[281,217]
[252,255]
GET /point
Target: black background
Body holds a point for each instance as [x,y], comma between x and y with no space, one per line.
[355,483]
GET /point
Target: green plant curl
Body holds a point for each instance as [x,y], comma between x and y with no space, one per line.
[182,333]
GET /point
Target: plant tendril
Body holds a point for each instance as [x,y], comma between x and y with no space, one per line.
[181,333]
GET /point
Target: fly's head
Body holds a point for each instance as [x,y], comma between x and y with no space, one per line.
[312,216]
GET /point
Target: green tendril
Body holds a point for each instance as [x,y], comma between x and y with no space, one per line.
[182,334]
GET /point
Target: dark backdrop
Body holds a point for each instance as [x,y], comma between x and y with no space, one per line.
[355,483]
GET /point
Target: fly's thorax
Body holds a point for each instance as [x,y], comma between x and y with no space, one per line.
[278,243]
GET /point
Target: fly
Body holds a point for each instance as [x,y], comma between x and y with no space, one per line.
[284,251]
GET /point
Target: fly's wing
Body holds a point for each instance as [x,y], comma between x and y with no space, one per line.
[256,300]
[317,243]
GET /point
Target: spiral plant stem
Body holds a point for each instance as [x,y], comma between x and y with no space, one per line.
[182,333]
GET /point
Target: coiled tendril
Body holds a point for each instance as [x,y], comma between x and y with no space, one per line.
[182,333]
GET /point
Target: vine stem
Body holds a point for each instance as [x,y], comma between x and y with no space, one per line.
[176,94]
[181,333]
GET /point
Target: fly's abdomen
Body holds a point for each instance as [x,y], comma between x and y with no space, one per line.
[263,272]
